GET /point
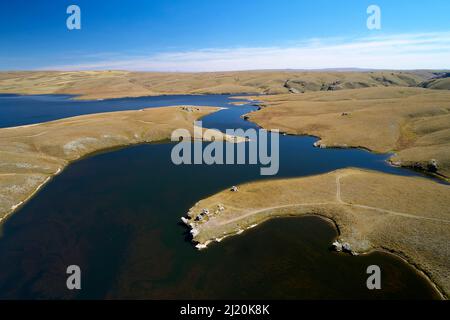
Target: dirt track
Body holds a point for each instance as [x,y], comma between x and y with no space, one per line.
[406,215]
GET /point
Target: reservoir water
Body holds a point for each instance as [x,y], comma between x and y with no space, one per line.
[116,214]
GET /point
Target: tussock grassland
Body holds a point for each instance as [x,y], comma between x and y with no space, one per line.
[412,122]
[385,112]
[115,84]
[31,155]
[439,80]
[406,215]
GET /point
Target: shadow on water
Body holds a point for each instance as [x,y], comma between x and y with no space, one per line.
[116,215]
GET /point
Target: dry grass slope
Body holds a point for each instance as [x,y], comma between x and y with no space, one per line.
[405,215]
[31,155]
[440,81]
[115,84]
[412,122]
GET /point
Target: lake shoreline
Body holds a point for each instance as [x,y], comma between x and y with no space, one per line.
[125,145]
[441,178]
[30,181]
[235,219]
[420,272]
[415,132]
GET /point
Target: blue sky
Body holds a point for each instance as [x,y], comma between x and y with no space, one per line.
[210,35]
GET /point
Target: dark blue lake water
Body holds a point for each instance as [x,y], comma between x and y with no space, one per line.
[18,110]
[116,215]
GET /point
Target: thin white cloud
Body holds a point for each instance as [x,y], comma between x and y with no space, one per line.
[399,51]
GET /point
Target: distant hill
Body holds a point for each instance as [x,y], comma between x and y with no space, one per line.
[115,84]
[440,80]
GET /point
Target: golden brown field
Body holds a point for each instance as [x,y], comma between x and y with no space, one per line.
[414,123]
[383,111]
[404,215]
[115,84]
[31,155]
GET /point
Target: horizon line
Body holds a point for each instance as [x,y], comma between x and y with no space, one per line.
[337,69]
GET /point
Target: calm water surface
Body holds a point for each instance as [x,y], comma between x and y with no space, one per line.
[116,215]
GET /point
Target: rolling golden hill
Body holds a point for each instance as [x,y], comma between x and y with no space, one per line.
[115,84]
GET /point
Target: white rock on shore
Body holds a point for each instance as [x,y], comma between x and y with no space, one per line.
[337,246]
[194,232]
[202,246]
[185,221]
[346,247]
